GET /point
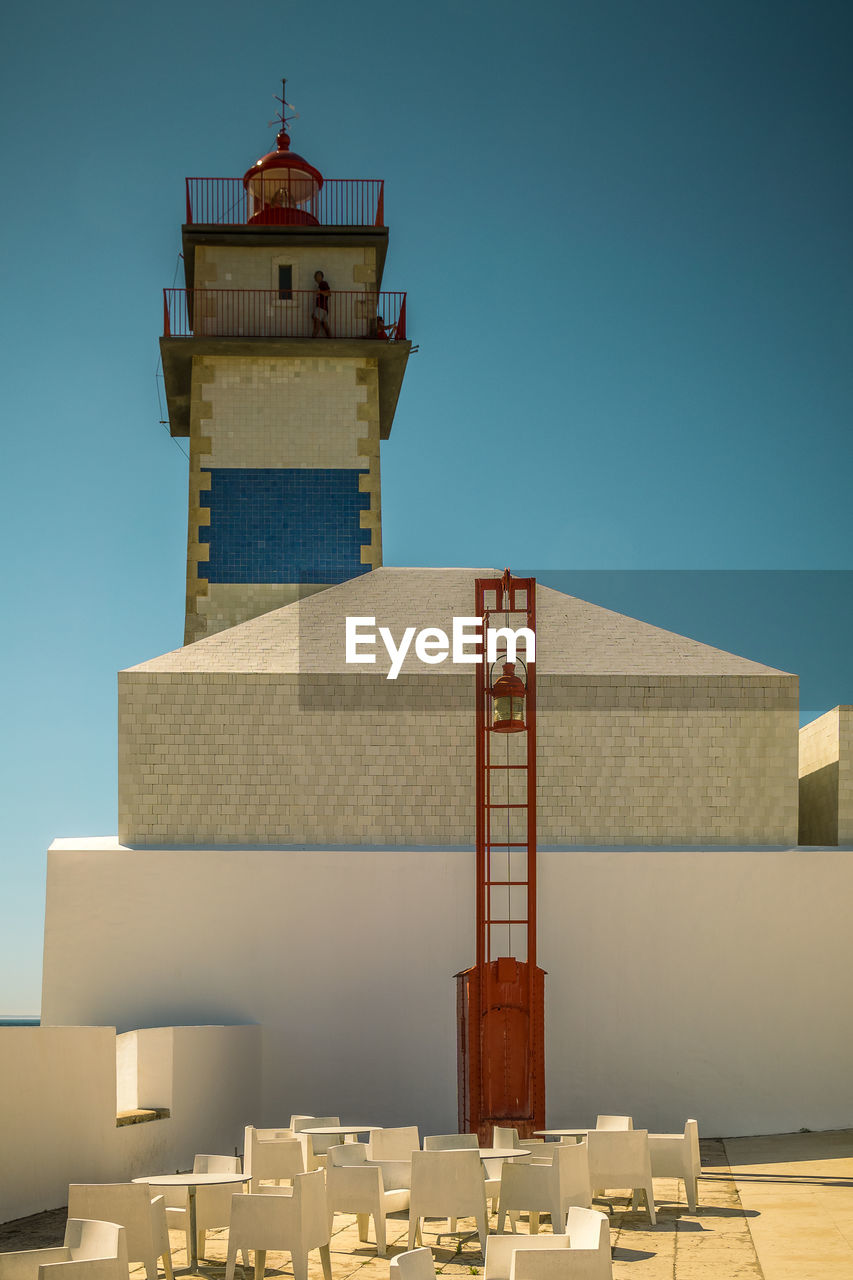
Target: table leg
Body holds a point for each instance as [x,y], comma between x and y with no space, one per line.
[193,1258]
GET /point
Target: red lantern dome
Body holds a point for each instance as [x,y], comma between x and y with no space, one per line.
[283,187]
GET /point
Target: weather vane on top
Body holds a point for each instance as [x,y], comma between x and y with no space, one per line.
[282,119]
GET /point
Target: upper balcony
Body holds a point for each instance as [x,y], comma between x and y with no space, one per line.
[276,199]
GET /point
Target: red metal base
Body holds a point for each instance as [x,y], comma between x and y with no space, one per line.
[501,1044]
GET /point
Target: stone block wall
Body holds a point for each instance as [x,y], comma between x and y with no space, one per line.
[346,267]
[284,487]
[266,759]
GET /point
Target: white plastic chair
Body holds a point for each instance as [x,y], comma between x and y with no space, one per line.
[394,1144]
[587,1257]
[451,1142]
[447,1184]
[549,1188]
[467,1142]
[503,1136]
[416,1264]
[91,1251]
[676,1155]
[607,1124]
[500,1251]
[271,1159]
[130,1205]
[541,1151]
[294,1221]
[620,1158]
[355,1186]
[212,1204]
[315,1146]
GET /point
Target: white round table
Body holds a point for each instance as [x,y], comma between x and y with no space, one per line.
[328,1130]
[192,1181]
[580,1134]
[501,1153]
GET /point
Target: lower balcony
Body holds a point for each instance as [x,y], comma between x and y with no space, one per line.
[287,313]
[283,324]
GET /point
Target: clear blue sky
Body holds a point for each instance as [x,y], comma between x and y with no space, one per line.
[625,232]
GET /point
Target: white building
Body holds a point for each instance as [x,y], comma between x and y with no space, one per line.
[294,860]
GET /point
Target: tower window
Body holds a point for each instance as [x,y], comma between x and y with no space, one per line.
[285,284]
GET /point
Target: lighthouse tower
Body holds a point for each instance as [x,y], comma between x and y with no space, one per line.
[283,361]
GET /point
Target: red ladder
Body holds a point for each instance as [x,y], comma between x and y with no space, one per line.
[500,1001]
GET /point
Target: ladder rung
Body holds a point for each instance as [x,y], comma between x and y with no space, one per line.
[505,806]
[507,922]
[492,884]
[506,844]
[506,766]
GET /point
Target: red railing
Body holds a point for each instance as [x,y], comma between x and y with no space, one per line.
[292,313]
[341,202]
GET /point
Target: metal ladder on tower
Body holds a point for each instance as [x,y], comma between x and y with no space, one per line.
[500,1000]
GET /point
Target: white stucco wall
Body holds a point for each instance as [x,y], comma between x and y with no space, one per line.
[346,959]
[58,1104]
[712,984]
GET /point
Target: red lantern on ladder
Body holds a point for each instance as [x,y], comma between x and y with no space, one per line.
[509,695]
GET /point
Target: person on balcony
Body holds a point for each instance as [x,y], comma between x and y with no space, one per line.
[321,306]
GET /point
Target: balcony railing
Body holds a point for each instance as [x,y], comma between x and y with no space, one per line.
[272,313]
[341,202]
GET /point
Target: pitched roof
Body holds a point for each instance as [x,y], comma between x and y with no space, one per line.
[573,637]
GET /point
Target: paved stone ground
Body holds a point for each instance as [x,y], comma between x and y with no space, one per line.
[797,1189]
[714,1244]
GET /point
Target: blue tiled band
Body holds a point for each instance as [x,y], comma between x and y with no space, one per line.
[277,524]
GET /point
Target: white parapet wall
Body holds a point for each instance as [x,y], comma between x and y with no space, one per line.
[680,983]
[62,1086]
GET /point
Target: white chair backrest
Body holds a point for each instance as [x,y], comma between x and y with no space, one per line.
[320,1143]
[309,1198]
[272,1157]
[451,1142]
[542,1264]
[84,1269]
[86,1239]
[618,1154]
[349,1154]
[302,1217]
[127,1204]
[416,1264]
[217,1164]
[394,1144]
[449,1184]
[571,1169]
[297,1123]
[614,1122]
[499,1251]
[505,1138]
[589,1229]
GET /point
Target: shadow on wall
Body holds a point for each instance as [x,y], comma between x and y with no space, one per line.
[62,1087]
[819,806]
